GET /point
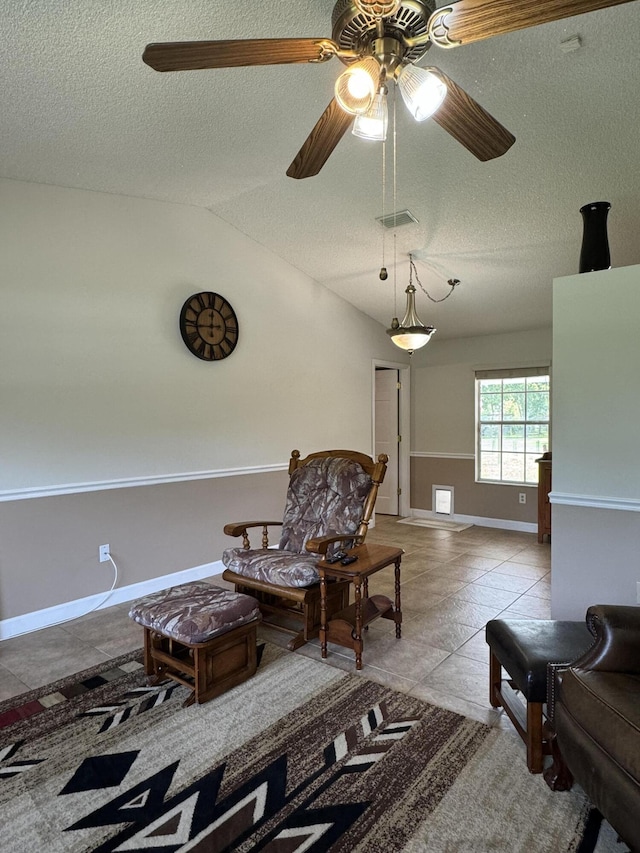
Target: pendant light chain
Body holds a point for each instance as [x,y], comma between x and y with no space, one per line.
[453,282]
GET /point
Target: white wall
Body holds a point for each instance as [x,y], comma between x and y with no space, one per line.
[95,381]
[596,392]
[596,464]
[97,389]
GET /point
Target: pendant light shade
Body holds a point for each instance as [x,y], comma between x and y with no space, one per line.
[411,333]
[373,124]
[422,91]
[357,86]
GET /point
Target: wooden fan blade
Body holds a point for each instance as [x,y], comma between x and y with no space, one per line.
[463,117]
[317,147]
[193,55]
[474,20]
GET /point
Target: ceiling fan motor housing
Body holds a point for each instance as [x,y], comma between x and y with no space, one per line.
[353,30]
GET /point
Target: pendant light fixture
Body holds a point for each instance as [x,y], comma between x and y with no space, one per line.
[411,333]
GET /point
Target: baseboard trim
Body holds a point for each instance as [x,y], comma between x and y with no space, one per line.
[49,616]
[480,521]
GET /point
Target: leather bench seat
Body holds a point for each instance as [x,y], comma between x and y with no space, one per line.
[525,648]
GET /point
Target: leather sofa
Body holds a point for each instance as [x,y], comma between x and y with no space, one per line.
[596,717]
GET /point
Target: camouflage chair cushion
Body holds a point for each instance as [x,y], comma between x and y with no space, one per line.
[194,613]
[282,568]
[325,497]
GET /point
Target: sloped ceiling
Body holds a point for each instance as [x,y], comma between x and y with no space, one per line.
[80,109]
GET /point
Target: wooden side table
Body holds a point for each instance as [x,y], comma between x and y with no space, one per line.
[345,627]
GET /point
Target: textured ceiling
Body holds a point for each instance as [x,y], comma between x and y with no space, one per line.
[80,109]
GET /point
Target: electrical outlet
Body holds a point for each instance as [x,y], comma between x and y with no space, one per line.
[103,553]
[522,498]
[638,592]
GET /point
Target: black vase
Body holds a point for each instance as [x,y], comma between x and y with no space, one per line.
[594,254]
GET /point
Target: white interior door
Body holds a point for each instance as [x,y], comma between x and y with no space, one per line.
[386,437]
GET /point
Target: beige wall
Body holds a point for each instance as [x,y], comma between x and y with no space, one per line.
[98,391]
[596,465]
[480,500]
[443,421]
[49,545]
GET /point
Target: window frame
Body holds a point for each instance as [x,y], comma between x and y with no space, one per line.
[521,373]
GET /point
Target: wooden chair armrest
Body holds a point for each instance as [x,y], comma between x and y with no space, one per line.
[237,528]
[321,544]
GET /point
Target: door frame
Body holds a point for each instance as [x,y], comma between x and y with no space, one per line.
[404,417]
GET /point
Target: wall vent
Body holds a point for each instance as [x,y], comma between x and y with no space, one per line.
[401,217]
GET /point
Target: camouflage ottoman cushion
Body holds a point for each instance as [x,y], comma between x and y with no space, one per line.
[195,612]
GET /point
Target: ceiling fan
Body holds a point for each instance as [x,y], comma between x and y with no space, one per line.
[380,41]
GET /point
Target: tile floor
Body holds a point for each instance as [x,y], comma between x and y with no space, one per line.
[452,583]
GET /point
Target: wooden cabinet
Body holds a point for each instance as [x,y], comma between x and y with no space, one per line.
[544,487]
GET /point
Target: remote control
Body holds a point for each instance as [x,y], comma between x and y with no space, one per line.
[337,558]
[346,561]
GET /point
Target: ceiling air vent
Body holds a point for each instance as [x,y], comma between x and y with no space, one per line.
[401,217]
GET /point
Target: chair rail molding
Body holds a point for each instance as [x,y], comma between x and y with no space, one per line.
[428,454]
[126,483]
[594,501]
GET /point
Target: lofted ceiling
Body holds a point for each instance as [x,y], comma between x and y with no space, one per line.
[80,109]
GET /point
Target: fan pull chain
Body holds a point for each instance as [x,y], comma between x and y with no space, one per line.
[395,210]
[383,269]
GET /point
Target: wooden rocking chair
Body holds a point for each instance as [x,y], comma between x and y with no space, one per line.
[330,501]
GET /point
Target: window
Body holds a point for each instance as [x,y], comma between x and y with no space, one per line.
[512,417]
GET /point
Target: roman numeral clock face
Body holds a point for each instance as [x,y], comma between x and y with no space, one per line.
[209,326]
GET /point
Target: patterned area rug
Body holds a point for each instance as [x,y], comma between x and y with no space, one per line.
[302,757]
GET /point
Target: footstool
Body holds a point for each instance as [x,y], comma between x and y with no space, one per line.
[525,648]
[199,635]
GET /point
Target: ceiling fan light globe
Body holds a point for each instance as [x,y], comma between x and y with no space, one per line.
[356,87]
[373,124]
[359,84]
[422,91]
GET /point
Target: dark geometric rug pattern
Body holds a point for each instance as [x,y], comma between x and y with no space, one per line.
[353,768]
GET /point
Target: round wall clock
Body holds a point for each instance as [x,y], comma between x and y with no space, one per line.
[209,326]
